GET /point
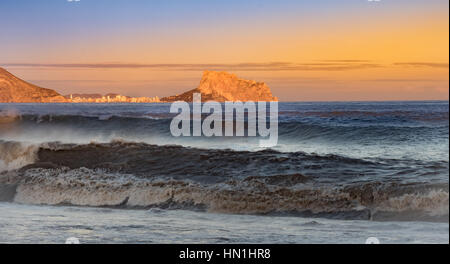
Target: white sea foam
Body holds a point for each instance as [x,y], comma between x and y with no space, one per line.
[85,187]
[14,155]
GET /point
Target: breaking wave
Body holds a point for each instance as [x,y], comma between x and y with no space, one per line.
[282,194]
[302,127]
[14,155]
[138,175]
[213,165]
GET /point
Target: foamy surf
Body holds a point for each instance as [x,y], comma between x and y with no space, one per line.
[254,195]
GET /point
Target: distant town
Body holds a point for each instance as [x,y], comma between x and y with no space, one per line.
[109,98]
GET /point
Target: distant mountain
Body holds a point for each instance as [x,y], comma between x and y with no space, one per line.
[15,90]
[223,86]
[215,86]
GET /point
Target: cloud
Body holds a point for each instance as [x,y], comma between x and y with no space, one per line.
[249,66]
[319,65]
[406,80]
[347,61]
[423,64]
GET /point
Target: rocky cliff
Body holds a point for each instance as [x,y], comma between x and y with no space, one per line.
[222,86]
[15,90]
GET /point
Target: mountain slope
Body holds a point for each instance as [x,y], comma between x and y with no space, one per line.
[15,90]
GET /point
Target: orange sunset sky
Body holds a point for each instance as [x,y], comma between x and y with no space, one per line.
[304,50]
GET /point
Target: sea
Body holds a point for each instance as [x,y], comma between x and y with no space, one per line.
[113,173]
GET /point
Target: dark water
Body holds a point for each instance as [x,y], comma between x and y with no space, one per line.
[358,160]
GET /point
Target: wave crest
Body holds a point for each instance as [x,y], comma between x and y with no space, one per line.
[14,155]
[86,187]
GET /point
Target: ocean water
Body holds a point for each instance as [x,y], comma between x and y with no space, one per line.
[54,224]
[342,171]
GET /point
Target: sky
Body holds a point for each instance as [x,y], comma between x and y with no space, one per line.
[305,50]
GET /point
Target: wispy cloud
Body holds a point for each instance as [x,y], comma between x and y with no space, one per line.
[269,66]
[320,65]
[405,80]
[423,64]
[347,61]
